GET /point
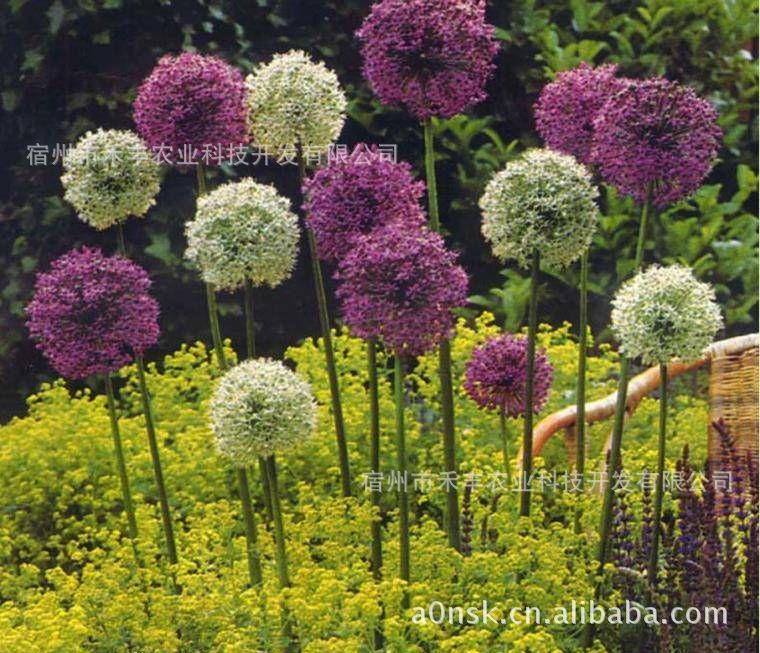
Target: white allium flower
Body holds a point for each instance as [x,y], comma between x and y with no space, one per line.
[110,175]
[543,201]
[259,408]
[665,313]
[243,230]
[294,100]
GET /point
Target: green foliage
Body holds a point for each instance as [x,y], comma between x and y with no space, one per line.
[70,581]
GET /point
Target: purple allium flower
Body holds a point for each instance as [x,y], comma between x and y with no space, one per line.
[190,104]
[566,109]
[400,284]
[659,133]
[91,312]
[356,193]
[432,56]
[497,371]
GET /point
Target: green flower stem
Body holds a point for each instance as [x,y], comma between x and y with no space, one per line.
[120,240]
[374,408]
[374,463]
[171,547]
[150,428]
[279,531]
[580,386]
[252,549]
[403,497]
[505,442]
[605,527]
[444,362]
[250,343]
[324,323]
[660,490]
[280,550]
[216,333]
[580,414]
[527,461]
[250,334]
[430,177]
[121,467]
[200,171]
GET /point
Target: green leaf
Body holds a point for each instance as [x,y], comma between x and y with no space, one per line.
[56,13]
[161,248]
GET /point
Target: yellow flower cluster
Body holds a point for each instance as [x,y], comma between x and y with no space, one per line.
[70,579]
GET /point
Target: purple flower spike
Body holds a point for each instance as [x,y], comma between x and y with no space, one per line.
[191,105]
[432,56]
[356,193]
[90,313]
[400,284]
[566,109]
[659,133]
[497,372]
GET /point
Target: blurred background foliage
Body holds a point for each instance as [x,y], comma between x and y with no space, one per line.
[73,65]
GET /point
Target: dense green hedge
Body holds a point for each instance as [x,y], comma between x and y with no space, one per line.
[71,65]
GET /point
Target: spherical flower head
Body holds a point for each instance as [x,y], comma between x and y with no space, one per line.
[91,313]
[434,57]
[260,408]
[659,134]
[400,284]
[189,105]
[665,313]
[354,194]
[108,176]
[497,372]
[294,101]
[242,231]
[567,107]
[543,201]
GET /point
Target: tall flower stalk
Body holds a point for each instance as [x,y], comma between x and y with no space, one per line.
[325,328]
[297,108]
[92,314]
[110,177]
[121,466]
[399,284]
[150,430]
[243,233]
[496,379]
[660,315]
[444,364]
[401,463]
[374,463]
[540,209]
[261,408]
[434,57]
[655,141]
